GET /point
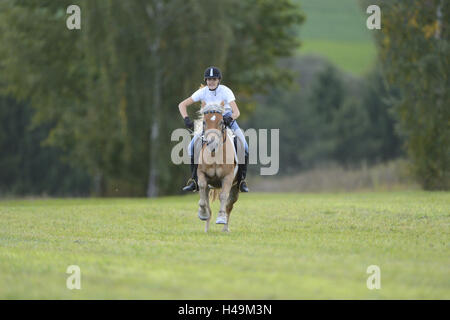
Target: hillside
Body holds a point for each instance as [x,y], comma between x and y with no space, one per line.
[337,30]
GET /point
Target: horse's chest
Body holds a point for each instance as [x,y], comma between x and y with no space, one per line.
[214,171]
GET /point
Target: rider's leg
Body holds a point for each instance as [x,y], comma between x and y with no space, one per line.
[192,184]
[242,171]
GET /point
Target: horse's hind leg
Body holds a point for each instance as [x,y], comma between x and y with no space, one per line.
[234,195]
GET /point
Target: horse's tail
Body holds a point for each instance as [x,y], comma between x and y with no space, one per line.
[214,194]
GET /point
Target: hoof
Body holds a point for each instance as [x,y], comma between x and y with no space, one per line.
[203,217]
[221,220]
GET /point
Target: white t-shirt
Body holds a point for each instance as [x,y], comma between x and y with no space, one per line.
[222,93]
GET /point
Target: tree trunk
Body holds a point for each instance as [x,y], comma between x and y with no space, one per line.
[98,184]
[152,187]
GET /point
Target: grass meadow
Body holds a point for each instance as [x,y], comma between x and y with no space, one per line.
[337,30]
[281,246]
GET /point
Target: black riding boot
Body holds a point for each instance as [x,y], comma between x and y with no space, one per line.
[193,182]
[242,173]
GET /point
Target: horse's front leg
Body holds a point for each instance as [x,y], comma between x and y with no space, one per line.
[203,212]
[223,197]
[208,209]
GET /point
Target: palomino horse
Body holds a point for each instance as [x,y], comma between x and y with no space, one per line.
[217,167]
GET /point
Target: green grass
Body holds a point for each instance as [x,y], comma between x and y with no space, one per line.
[337,30]
[281,246]
[354,57]
[342,20]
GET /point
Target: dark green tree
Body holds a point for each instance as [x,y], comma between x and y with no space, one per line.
[413,46]
[378,99]
[26,166]
[325,99]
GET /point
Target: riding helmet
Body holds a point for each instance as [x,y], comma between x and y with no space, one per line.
[213,72]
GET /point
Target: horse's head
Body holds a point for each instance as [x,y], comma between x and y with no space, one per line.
[212,116]
[213,125]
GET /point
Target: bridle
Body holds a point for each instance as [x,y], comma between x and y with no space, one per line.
[222,124]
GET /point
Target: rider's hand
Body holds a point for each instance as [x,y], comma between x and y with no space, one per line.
[227,120]
[188,123]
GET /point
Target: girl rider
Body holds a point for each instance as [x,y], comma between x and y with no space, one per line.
[214,92]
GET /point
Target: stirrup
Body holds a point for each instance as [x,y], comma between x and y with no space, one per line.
[240,186]
[191,185]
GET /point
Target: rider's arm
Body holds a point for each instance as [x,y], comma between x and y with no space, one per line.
[235,109]
[183,105]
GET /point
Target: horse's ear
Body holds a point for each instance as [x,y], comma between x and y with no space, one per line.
[222,103]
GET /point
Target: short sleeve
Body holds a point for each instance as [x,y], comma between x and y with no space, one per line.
[197,95]
[229,95]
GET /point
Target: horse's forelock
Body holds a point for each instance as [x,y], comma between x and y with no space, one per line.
[198,123]
[208,108]
[212,107]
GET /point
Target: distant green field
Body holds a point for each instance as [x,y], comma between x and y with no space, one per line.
[337,30]
[281,246]
[354,57]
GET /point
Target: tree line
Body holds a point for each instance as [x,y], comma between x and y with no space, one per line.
[91,111]
[110,90]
